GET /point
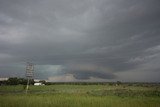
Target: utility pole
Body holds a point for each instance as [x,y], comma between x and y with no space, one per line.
[29,73]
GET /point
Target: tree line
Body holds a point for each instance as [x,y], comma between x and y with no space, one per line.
[16,81]
[23,81]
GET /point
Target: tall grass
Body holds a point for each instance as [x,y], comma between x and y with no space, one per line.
[79,96]
[75,100]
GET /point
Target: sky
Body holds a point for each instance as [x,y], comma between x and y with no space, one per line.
[81,40]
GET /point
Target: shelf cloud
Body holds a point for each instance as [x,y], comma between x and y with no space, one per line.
[87,40]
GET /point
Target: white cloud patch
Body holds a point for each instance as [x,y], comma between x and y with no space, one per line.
[62,78]
[71,78]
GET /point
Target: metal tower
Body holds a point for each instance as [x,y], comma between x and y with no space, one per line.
[29,73]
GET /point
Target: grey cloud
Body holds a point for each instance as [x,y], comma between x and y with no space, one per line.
[86,71]
[88,74]
[120,35]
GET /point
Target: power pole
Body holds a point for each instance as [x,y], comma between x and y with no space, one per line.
[29,73]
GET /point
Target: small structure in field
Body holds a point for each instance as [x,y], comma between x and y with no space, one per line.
[38,84]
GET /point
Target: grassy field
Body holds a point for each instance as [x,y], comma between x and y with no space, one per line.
[80,96]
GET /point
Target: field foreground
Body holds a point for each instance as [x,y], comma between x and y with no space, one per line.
[80,96]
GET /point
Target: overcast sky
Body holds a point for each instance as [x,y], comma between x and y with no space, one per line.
[81,40]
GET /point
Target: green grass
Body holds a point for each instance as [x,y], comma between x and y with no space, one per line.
[80,96]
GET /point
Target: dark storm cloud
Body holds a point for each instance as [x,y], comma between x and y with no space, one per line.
[88,74]
[86,71]
[118,36]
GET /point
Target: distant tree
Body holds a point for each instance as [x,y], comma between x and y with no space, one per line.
[3,82]
[17,81]
[111,83]
[13,81]
[22,81]
[42,81]
[119,83]
[32,82]
[49,83]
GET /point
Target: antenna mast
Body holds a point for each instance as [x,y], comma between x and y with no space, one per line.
[29,73]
